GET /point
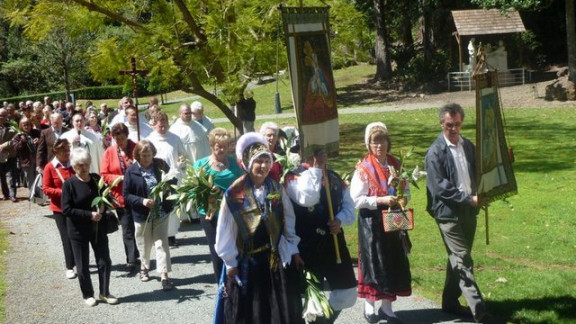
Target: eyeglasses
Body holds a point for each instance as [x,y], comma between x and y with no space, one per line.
[377,144]
[450,125]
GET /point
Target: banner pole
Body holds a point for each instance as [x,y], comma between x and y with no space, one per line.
[487,227]
[331,210]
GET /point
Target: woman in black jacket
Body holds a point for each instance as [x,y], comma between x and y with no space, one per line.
[150,214]
[86,226]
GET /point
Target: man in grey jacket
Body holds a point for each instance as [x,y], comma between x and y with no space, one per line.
[452,201]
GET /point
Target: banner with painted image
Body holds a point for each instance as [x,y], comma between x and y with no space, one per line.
[495,175]
[313,91]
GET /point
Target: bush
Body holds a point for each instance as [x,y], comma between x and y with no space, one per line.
[57,95]
[418,71]
[102,92]
[88,93]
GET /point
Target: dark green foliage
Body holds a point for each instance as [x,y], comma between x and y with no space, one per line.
[416,70]
[102,92]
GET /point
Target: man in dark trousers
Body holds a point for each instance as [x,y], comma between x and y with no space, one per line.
[305,187]
[48,136]
[7,155]
[247,111]
[452,201]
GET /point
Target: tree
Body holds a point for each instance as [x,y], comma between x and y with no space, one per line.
[382,44]
[535,4]
[187,44]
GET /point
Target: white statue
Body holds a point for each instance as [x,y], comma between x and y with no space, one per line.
[498,58]
[471,54]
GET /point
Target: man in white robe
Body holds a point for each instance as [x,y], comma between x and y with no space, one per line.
[131,120]
[191,134]
[79,137]
[120,116]
[200,118]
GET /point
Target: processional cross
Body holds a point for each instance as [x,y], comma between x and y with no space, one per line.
[134,73]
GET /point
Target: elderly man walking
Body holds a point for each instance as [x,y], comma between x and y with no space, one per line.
[452,201]
[200,118]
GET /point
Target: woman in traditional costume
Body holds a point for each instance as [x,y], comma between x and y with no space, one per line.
[256,240]
[383,267]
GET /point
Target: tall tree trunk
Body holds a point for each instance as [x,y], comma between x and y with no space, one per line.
[406,23]
[382,45]
[426,30]
[571,39]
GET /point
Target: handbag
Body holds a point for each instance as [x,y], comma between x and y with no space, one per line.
[398,220]
[112,223]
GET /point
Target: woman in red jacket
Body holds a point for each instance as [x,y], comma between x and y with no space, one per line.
[115,161]
[55,173]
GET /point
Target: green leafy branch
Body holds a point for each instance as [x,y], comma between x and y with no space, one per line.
[105,198]
[315,303]
[197,190]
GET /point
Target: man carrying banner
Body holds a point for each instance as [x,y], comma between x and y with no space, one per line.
[305,188]
[452,200]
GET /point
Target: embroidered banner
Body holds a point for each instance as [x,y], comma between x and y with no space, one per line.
[495,175]
[313,93]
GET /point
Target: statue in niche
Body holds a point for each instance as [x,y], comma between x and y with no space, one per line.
[471,54]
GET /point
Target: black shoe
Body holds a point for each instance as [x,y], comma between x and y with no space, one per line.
[166,284]
[389,319]
[372,318]
[457,310]
[487,318]
[130,268]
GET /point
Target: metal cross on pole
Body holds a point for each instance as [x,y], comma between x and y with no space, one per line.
[134,73]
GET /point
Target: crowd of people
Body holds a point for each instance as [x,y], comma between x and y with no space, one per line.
[271,223]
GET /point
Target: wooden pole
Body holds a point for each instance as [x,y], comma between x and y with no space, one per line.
[487,227]
[134,74]
[331,210]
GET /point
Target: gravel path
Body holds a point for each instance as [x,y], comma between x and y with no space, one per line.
[38,292]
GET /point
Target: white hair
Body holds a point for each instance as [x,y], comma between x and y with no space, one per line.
[269,125]
[79,155]
[196,106]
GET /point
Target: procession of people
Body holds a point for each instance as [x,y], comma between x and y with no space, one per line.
[264,224]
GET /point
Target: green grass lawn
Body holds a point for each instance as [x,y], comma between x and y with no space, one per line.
[528,271]
[264,94]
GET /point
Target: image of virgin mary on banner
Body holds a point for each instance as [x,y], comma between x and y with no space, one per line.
[495,176]
[313,90]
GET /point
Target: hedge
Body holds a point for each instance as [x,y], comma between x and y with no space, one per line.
[88,93]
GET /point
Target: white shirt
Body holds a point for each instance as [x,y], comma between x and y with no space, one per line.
[145,131]
[359,190]
[227,232]
[193,138]
[119,118]
[464,182]
[205,122]
[168,148]
[305,191]
[91,142]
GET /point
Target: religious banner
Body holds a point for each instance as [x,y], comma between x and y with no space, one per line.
[495,175]
[313,91]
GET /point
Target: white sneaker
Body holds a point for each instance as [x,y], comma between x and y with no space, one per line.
[70,274]
[90,301]
[110,299]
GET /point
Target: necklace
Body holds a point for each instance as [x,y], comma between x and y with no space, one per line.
[218,164]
